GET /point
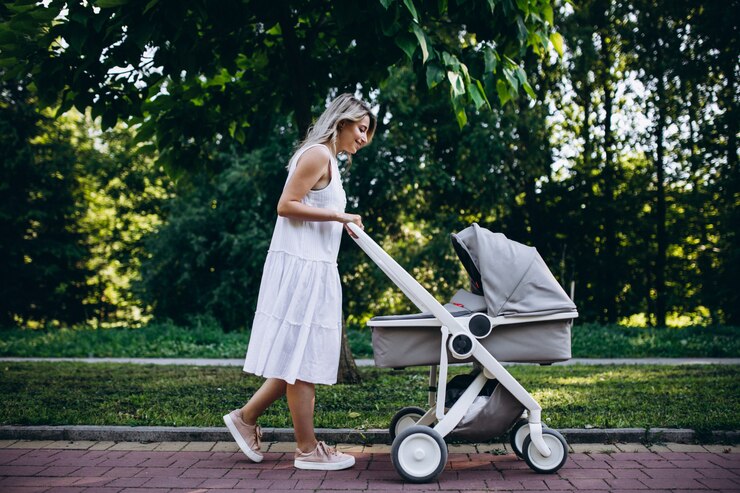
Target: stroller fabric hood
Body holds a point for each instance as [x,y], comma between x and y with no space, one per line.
[513,277]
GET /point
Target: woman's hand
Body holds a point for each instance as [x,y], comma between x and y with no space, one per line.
[351,218]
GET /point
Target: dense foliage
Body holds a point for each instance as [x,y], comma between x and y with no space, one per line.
[622,170]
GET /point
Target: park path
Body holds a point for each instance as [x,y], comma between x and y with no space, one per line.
[369,362]
[217,467]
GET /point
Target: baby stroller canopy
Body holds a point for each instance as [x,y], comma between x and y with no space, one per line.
[512,277]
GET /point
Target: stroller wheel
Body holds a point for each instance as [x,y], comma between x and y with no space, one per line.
[405,418]
[419,454]
[545,465]
[518,433]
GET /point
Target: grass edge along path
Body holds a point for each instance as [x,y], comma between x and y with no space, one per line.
[166,340]
[700,397]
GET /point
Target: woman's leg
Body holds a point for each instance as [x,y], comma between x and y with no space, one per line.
[301,399]
[270,391]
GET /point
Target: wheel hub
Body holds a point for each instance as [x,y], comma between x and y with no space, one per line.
[419,454]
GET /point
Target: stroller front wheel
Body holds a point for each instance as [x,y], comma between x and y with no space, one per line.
[558,452]
[419,454]
[403,419]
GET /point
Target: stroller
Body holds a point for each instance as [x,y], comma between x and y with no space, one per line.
[515,311]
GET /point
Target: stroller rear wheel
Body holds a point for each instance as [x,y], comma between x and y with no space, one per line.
[546,465]
[405,418]
[419,454]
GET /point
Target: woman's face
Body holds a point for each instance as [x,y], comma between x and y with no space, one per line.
[353,136]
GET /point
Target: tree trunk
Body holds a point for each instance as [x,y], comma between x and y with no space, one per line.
[299,79]
[660,209]
[347,368]
[609,264]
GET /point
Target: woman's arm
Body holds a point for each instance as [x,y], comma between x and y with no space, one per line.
[310,168]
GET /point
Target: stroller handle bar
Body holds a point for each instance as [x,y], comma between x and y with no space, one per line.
[419,296]
[424,301]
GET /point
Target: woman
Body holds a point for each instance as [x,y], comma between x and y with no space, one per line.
[297,328]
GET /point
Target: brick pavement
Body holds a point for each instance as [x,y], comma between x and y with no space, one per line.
[164,467]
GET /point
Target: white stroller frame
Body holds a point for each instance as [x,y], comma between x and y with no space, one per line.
[451,328]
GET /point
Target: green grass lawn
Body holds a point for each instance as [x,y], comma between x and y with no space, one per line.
[165,340]
[697,397]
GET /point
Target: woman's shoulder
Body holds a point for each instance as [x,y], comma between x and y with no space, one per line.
[316,155]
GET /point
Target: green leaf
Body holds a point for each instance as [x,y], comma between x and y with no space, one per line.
[503,91]
[522,33]
[491,60]
[386,3]
[529,90]
[460,115]
[523,6]
[456,83]
[482,92]
[421,37]
[407,43]
[435,75]
[442,6]
[475,96]
[557,42]
[107,4]
[151,4]
[492,4]
[410,6]
[547,11]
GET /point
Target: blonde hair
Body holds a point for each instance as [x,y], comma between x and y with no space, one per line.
[344,107]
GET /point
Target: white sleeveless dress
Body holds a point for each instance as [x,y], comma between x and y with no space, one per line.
[297,327]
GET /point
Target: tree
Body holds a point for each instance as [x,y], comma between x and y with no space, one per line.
[194,73]
[42,247]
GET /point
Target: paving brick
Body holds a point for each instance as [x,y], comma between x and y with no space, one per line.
[145,490]
[198,446]
[20,470]
[134,446]
[590,484]
[35,481]
[67,445]
[672,483]
[225,447]
[720,483]
[219,483]
[256,484]
[90,481]
[280,447]
[127,482]
[173,482]
[585,473]
[170,446]
[102,446]
[122,472]
[632,447]
[32,444]
[28,460]
[204,473]
[685,447]
[59,471]
[722,449]
[720,473]
[626,484]
[159,472]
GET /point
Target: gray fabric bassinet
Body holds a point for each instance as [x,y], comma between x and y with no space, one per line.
[509,281]
[536,342]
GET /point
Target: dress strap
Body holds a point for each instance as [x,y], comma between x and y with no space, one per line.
[299,153]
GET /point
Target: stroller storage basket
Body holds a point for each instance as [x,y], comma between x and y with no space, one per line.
[534,342]
[489,417]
